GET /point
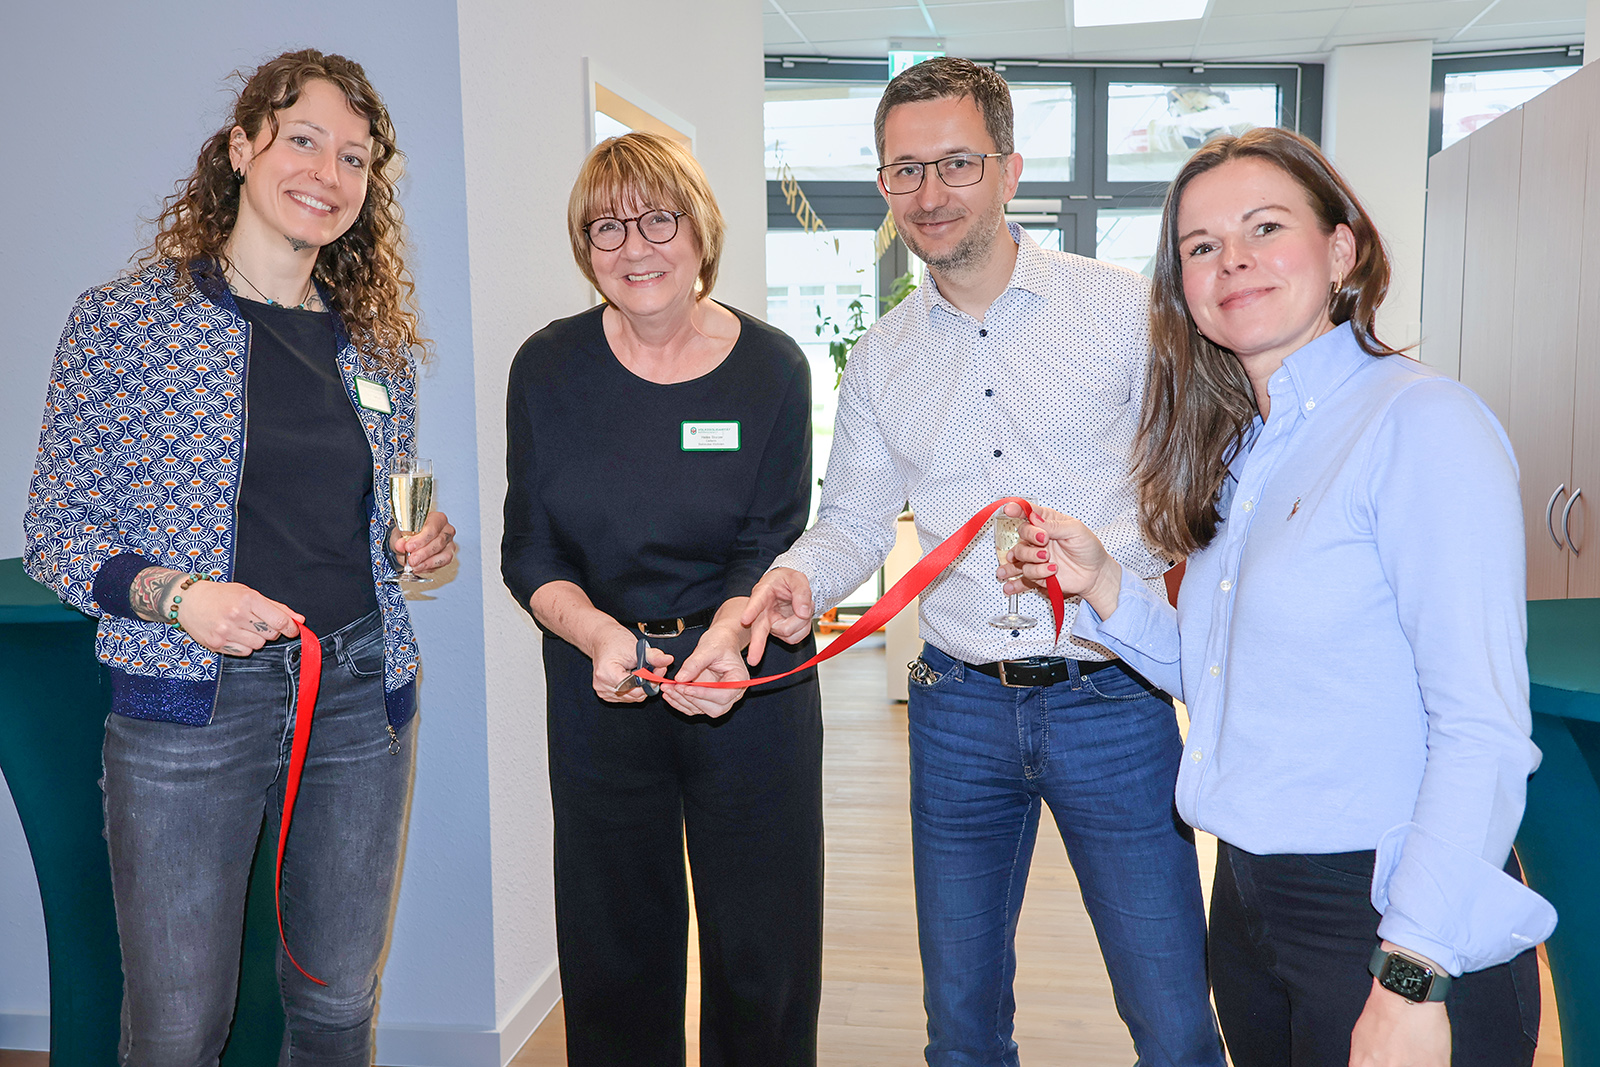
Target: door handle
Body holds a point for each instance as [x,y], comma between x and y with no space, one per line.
[1566,518]
[1550,514]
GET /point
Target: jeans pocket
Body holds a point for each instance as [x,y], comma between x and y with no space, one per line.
[925,678]
[1354,867]
[1119,683]
[365,657]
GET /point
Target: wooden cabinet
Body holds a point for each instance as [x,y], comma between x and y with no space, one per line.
[1511,304]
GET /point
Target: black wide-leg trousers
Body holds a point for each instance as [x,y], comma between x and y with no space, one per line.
[631,784]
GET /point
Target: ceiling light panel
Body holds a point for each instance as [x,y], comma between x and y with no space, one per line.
[1129,12]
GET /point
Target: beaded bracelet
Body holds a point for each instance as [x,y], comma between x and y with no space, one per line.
[172,611]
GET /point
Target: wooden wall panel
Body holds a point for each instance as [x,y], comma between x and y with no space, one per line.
[1583,569]
[1489,267]
[1444,257]
[1544,341]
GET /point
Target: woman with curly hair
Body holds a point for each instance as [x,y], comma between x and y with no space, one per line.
[212,473]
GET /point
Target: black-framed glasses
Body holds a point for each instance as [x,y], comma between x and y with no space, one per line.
[906,176]
[658,226]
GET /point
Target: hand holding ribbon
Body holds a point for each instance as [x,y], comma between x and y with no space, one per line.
[894,601]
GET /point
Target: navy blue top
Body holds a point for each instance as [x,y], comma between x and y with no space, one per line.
[305,494]
[607,489]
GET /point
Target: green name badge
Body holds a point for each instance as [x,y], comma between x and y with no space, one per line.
[711,437]
[374,396]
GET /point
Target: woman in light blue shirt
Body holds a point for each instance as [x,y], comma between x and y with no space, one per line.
[1349,636]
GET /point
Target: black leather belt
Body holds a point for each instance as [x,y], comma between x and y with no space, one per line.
[674,627]
[1040,670]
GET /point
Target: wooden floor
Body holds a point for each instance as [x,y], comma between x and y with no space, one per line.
[872,984]
[871,999]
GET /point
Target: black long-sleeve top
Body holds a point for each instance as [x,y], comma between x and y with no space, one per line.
[606,489]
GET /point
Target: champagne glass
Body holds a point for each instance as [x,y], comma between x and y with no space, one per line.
[411,499]
[1007,532]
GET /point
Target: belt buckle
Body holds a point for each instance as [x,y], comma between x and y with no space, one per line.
[1001,664]
[648,630]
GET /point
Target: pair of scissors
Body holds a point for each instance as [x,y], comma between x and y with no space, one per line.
[633,681]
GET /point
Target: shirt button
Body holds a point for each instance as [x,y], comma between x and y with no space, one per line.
[1226,585]
[983,333]
[1196,756]
[1216,669]
[997,453]
[988,392]
[1310,404]
[1249,505]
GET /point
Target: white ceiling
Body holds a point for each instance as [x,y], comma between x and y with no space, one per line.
[1304,30]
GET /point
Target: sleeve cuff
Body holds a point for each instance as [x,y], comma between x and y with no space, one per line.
[1137,626]
[114,581]
[1450,905]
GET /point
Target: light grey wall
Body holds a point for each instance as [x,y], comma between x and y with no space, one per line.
[109,103]
[1375,129]
[524,93]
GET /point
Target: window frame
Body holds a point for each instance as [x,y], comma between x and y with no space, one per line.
[859,205]
[1481,62]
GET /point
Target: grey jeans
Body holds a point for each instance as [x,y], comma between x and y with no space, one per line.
[184,809]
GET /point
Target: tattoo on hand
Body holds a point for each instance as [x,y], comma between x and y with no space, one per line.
[297,244]
[150,590]
[234,650]
[260,626]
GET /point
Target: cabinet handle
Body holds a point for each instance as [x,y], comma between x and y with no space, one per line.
[1566,517]
[1550,514]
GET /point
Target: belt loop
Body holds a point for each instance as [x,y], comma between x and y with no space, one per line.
[1074,673]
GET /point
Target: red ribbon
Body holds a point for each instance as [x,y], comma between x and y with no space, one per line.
[894,601]
[305,704]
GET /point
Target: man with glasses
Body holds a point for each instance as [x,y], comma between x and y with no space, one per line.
[1012,372]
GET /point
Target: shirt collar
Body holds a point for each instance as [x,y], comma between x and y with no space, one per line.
[1031,273]
[1313,372]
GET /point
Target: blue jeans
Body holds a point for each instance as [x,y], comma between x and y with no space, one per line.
[184,809]
[1102,751]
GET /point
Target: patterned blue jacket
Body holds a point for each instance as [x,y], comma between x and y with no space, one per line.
[139,460]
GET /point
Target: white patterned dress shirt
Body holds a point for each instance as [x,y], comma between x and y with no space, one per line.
[1040,399]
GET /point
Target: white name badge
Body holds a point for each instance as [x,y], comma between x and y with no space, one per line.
[373,396]
[711,437]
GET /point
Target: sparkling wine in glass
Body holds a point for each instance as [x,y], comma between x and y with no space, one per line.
[1007,532]
[411,498]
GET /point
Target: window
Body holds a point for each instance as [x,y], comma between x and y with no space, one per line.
[1471,90]
[1152,129]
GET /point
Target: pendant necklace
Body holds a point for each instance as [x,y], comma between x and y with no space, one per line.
[310,289]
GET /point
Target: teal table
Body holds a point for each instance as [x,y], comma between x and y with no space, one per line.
[54,698]
[1559,843]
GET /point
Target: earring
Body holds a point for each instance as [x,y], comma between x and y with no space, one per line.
[1338,286]
[238,175]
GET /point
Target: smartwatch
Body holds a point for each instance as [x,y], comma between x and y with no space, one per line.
[1411,978]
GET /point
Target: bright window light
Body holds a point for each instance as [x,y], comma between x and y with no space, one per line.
[1126,12]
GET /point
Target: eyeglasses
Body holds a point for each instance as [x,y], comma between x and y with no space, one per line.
[657,226]
[955,171]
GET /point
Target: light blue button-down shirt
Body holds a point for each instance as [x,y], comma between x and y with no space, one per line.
[1351,648]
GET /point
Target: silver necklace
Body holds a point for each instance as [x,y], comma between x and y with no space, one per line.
[304,300]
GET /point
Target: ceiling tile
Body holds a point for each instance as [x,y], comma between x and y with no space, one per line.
[1299,50]
[1028,16]
[1420,20]
[877,25]
[1027,44]
[1230,29]
[1175,37]
[1231,8]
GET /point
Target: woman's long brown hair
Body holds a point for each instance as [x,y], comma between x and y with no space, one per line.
[1198,403]
[364,271]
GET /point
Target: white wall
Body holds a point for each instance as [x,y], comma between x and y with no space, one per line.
[488,99]
[1375,129]
[1591,21]
[523,93]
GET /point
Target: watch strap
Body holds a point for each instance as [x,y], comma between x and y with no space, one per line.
[1379,966]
